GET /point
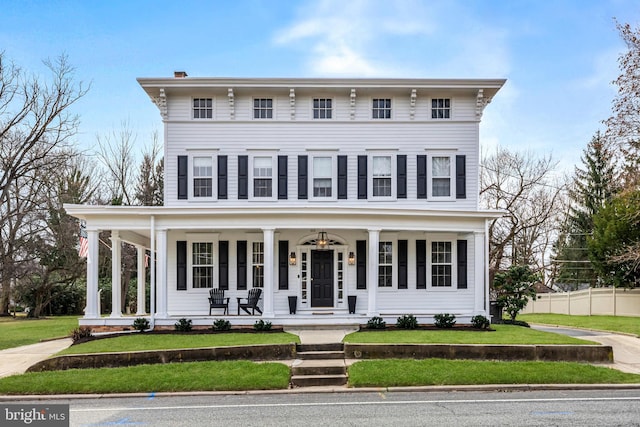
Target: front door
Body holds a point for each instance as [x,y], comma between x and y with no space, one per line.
[321,278]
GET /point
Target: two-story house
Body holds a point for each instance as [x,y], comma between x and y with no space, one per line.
[332,191]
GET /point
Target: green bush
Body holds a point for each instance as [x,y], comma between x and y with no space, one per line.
[221,325]
[480,322]
[513,322]
[407,321]
[262,326]
[81,333]
[141,324]
[376,322]
[444,320]
[183,325]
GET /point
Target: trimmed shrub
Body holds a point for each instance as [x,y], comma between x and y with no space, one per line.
[407,321]
[262,326]
[221,325]
[376,322]
[183,325]
[81,333]
[480,322]
[444,320]
[141,324]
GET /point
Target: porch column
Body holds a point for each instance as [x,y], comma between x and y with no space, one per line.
[116,278]
[479,270]
[161,276]
[269,259]
[372,273]
[142,270]
[91,310]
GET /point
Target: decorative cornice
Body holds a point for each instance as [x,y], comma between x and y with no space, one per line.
[292,103]
[161,103]
[412,111]
[353,104]
[481,103]
[232,103]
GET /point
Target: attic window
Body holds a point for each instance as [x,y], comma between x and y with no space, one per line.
[202,108]
[441,108]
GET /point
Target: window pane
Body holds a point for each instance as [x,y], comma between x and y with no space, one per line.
[322,187]
[382,166]
[441,187]
[322,167]
[262,187]
[202,187]
[262,167]
[382,186]
[441,166]
[202,166]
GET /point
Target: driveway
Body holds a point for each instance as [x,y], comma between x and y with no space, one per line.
[626,348]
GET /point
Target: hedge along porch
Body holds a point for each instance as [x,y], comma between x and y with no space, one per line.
[394,261]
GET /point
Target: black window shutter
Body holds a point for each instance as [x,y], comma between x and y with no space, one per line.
[361,264]
[422,177]
[421,264]
[461,177]
[282,177]
[342,177]
[243,177]
[222,177]
[462,264]
[223,263]
[283,264]
[183,178]
[403,276]
[181,265]
[362,177]
[402,176]
[303,183]
[241,258]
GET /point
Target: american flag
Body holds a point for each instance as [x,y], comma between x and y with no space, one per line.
[83,250]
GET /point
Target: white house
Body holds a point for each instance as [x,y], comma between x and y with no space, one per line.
[318,189]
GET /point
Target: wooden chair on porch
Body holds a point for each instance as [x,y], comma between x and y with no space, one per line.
[250,302]
[217,300]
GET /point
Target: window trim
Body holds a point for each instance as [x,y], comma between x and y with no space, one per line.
[334,176]
[273,108]
[393,265]
[442,237]
[253,264]
[191,175]
[332,109]
[394,175]
[391,109]
[450,108]
[193,108]
[452,176]
[274,177]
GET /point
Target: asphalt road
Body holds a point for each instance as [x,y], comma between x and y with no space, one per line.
[533,408]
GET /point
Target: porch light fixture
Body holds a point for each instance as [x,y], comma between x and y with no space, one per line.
[292,258]
[322,242]
[351,258]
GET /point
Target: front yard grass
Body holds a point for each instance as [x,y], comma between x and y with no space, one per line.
[404,372]
[143,341]
[628,325]
[17,331]
[188,376]
[503,334]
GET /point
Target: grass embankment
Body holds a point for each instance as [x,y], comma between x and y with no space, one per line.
[503,334]
[396,372]
[627,325]
[192,376]
[142,341]
[17,331]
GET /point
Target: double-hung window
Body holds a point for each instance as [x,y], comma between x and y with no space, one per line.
[385,264]
[262,177]
[202,108]
[322,108]
[263,108]
[441,108]
[381,108]
[202,264]
[322,176]
[203,176]
[382,173]
[257,265]
[441,176]
[441,264]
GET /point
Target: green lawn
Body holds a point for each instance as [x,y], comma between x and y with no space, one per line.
[401,372]
[194,376]
[503,334]
[629,325]
[140,342]
[19,331]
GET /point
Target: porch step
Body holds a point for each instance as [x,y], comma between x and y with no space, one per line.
[320,355]
[319,367]
[318,380]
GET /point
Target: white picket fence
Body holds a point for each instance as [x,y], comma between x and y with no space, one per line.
[592,301]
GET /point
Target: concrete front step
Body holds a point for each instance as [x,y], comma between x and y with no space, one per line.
[320,347]
[319,367]
[320,355]
[318,380]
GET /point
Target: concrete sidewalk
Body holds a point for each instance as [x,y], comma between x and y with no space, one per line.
[16,360]
[314,335]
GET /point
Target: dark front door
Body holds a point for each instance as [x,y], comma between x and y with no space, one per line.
[321,278]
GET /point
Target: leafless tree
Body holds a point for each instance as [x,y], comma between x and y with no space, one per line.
[36,126]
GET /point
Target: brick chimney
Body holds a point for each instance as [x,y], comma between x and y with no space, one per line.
[179,74]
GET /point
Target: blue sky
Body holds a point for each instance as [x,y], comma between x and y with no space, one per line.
[559,56]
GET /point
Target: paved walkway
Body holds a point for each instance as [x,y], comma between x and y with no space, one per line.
[321,336]
[16,360]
